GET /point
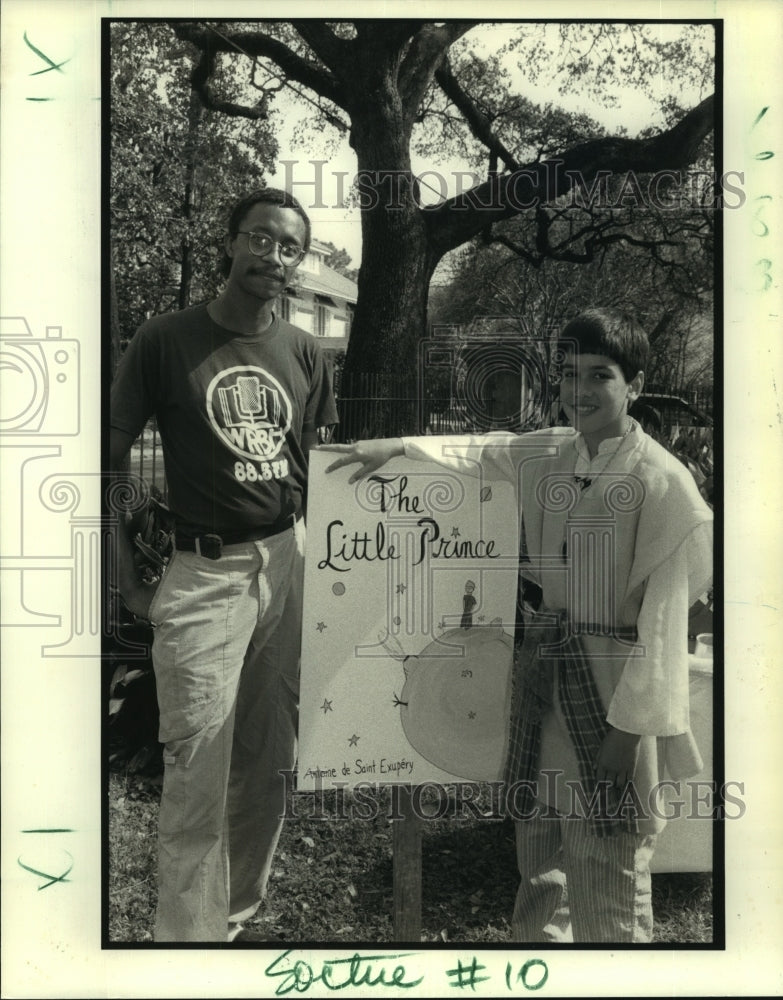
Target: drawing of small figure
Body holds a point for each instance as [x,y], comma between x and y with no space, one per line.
[468,604]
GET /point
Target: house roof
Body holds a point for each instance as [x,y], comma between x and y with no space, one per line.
[327,282]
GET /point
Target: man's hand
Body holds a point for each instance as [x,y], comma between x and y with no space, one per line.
[136,594]
[616,761]
[138,598]
[370,455]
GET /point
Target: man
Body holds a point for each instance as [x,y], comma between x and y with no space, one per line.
[239,395]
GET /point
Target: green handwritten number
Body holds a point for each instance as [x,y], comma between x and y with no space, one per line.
[522,975]
[765,264]
[763,228]
[760,228]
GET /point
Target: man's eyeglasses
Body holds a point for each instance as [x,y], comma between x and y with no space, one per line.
[261,244]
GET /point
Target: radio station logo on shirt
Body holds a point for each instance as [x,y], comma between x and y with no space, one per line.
[249,410]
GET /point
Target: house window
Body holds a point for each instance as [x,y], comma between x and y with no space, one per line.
[285,308]
[321,321]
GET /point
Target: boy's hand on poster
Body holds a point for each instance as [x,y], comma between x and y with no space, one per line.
[616,762]
[370,455]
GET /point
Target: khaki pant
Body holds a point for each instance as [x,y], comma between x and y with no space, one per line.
[226,657]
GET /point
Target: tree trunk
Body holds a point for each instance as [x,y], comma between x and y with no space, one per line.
[397,264]
[185,274]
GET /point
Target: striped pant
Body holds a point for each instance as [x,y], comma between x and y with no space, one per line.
[582,888]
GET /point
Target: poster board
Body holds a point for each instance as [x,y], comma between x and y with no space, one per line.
[410,594]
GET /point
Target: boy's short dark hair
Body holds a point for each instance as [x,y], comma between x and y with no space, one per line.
[611,332]
[264,196]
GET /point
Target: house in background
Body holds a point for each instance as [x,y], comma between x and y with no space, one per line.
[321,301]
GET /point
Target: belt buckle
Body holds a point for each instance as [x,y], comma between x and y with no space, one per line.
[210,546]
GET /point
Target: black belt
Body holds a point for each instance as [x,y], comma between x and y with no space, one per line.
[211,545]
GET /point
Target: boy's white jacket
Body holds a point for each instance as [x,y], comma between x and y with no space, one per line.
[661,562]
[669,510]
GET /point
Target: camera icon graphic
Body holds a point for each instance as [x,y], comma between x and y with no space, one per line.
[475,380]
[40,381]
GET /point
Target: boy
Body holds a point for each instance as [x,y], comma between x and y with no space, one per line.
[617,541]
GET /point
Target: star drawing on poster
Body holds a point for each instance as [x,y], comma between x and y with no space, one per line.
[353,740]
[321,626]
[327,706]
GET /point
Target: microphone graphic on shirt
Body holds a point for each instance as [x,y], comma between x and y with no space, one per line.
[249,401]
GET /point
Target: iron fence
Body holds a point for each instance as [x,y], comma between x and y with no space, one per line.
[375,405]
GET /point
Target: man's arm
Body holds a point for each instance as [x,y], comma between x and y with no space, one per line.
[309,440]
[137,595]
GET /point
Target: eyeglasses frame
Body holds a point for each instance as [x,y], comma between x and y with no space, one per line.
[275,243]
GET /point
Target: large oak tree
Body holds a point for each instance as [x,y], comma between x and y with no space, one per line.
[379,80]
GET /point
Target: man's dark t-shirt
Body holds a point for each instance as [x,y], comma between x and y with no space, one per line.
[230,410]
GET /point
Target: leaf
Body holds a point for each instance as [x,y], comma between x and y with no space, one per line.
[308,841]
[118,677]
[133,675]
[351,890]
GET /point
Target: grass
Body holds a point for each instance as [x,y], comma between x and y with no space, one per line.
[332,879]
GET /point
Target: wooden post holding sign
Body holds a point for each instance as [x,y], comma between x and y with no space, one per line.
[406,848]
[407,641]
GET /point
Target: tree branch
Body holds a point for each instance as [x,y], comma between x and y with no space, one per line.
[199,80]
[334,52]
[260,44]
[458,219]
[423,57]
[476,121]
[394,34]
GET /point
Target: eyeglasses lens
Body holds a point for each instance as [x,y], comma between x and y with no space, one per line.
[261,245]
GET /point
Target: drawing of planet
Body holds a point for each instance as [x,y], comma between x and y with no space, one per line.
[455,709]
